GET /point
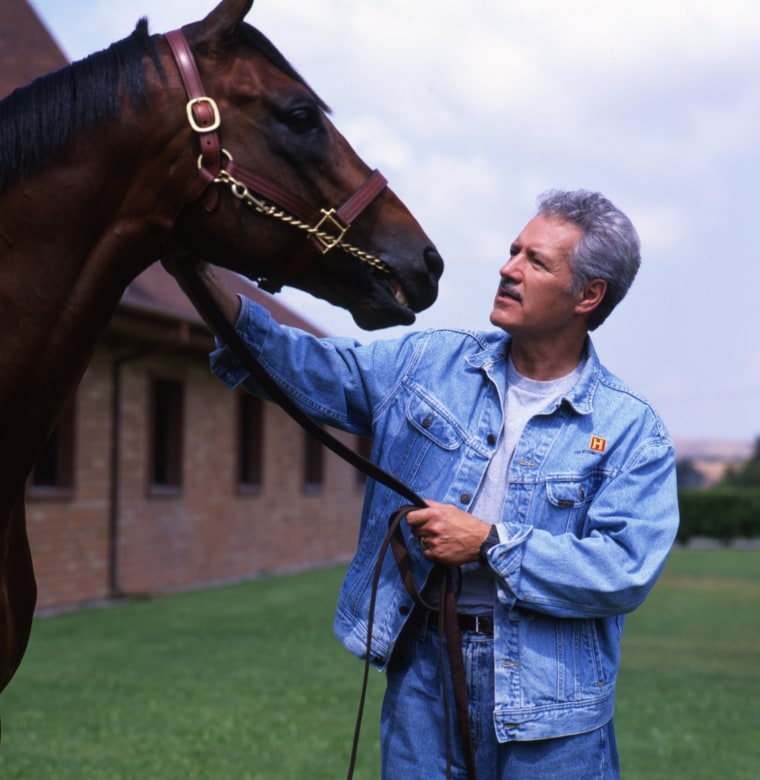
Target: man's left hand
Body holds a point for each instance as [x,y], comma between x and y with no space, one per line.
[448,535]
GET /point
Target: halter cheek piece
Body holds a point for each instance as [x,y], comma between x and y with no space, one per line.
[326,228]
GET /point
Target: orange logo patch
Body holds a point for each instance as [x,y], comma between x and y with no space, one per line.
[598,444]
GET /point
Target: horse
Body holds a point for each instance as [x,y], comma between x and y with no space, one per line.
[205,139]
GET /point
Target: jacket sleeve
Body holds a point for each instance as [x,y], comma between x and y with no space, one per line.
[632,524]
[337,381]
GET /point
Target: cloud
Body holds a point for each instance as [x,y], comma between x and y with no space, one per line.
[664,228]
[471,109]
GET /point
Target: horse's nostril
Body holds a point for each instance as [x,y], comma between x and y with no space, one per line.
[434,262]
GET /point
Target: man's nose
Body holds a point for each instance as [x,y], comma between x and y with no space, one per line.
[511,267]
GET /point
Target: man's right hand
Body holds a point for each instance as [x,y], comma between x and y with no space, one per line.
[179,264]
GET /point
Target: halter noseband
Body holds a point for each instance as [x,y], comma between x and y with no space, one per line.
[325,227]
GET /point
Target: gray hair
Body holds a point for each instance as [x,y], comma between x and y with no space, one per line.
[609,248]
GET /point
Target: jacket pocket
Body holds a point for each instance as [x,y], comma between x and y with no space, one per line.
[568,500]
[433,440]
[433,422]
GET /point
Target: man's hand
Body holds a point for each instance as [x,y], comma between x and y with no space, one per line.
[226,300]
[448,535]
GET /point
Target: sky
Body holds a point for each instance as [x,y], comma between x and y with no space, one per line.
[472,109]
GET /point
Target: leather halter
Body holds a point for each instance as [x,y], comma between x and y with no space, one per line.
[215,164]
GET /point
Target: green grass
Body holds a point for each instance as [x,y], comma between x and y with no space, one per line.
[248,682]
[688,703]
[236,683]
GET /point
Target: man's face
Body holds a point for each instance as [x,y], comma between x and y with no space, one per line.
[534,297]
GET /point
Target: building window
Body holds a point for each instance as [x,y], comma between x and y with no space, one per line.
[363,448]
[250,443]
[166,435]
[53,473]
[314,463]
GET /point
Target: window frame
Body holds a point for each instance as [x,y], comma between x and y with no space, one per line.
[166,436]
[59,451]
[250,444]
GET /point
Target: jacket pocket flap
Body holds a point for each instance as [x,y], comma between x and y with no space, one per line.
[432,423]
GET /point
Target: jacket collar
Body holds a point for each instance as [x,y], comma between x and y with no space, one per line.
[492,359]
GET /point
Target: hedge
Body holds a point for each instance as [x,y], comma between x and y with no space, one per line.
[723,513]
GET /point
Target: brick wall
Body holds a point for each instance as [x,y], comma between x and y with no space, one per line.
[69,535]
[209,532]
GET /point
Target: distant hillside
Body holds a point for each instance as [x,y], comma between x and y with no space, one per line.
[708,459]
[727,450]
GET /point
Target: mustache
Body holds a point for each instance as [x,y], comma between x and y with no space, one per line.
[508,288]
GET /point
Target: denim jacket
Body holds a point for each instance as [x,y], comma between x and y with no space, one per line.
[589,518]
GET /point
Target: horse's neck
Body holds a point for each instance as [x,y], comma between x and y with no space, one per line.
[65,261]
[64,264]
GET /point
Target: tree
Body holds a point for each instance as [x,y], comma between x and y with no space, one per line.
[748,474]
[688,475]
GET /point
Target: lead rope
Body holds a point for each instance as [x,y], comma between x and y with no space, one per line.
[448,622]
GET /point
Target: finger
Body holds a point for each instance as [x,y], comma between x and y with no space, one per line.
[417,517]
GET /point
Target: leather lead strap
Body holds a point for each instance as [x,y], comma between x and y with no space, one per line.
[229,335]
[449,623]
[458,674]
[204,119]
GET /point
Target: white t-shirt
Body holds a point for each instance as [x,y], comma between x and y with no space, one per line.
[523,399]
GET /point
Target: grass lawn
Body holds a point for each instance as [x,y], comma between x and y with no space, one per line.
[248,682]
[688,705]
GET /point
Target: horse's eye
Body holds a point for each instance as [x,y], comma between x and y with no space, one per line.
[302,119]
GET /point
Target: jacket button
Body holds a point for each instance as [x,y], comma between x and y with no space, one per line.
[428,421]
[403,609]
[465,498]
[491,439]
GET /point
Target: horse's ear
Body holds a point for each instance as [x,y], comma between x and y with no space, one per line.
[222,23]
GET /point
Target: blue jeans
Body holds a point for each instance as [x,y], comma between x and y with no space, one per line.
[414,726]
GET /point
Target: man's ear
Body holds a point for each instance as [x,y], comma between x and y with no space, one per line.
[591,296]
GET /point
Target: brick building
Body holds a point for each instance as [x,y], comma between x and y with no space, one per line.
[158,477]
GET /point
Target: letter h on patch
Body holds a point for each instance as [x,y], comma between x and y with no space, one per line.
[598,444]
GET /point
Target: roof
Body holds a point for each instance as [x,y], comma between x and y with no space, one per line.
[27,49]
[156,291]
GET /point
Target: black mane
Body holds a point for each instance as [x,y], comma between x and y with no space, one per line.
[37,122]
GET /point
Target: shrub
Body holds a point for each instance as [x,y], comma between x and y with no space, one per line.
[721,512]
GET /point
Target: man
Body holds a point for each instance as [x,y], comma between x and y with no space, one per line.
[549,483]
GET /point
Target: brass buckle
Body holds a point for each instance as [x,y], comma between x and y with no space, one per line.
[329,242]
[214,110]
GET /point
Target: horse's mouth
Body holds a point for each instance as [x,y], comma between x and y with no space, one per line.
[388,306]
[398,293]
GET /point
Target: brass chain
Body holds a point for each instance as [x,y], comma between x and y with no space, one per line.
[328,240]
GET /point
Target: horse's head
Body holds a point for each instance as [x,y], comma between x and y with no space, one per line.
[284,166]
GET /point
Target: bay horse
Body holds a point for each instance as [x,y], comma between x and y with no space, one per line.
[205,139]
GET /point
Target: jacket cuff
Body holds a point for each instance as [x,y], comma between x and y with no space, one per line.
[252,326]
